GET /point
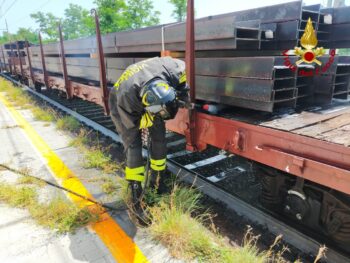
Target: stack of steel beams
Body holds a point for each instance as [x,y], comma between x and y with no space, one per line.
[276,27]
[340,28]
[324,82]
[241,59]
[79,65]
[342,78]
[305,85]
[260,83]
[240,30]
[13,56]
[287,34]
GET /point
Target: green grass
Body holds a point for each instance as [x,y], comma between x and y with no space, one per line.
[186,237]
[97,158]
[58,214]
[30,180]
[17,196]
[98,179]
[45,115]
[19,97]
[68,123]
[16,96]
[81,140]
[62,215]
[25,178]
[94,156]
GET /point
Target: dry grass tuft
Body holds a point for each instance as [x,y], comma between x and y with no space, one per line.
[176,227]
[58,214]
[11,126]
[16,96]
[81,140]
[110,187]
[97,158]
[46,115]
[321,254]
[25,178]
[68,123]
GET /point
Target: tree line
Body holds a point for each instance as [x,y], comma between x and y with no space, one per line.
[115,15]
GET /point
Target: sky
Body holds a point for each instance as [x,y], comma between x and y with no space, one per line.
[17,12]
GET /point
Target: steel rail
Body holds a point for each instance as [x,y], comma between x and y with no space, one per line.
[292,236]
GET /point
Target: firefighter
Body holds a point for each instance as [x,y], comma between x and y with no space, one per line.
[146,94]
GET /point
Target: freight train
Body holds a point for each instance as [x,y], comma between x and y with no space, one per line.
[287,111]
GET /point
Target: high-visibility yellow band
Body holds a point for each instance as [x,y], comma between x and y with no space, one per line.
[144,99]
[135,174]
[146,120]
[158,167]
[182,78]
[162,84]
[158,162]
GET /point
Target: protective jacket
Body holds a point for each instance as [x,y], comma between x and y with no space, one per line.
[125,98]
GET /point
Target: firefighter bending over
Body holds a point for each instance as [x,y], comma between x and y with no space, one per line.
[146,94]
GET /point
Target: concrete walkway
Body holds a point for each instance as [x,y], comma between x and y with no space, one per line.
[21,240]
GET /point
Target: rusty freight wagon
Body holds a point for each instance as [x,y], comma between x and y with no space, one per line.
[291,117]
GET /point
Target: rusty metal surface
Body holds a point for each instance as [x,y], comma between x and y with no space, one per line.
[3,56]
[64,65]
[43,62]
[2,63]
[56,83]
[30,62]
[11,60]
[102,66]
[19,58]
[190,73]
[316,160]
[85,92]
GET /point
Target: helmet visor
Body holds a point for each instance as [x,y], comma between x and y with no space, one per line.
[166,112]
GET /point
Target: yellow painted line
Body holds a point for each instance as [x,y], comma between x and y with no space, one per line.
[121,246]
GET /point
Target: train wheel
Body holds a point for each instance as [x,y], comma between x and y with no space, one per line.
[319,208]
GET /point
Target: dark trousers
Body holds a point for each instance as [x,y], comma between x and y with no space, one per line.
[134,160]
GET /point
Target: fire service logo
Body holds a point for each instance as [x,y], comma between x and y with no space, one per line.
[308,53]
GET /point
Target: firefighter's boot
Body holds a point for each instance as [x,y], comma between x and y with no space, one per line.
[136,195]
[158,181]
[136,192]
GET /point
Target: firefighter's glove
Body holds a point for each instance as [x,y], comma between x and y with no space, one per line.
[146,120]
[182,93]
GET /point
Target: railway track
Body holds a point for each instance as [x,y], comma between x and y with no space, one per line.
[212,171]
